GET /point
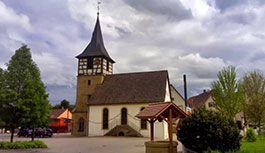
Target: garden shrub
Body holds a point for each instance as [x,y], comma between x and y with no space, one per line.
[251,135]
[206,129]
[22,145]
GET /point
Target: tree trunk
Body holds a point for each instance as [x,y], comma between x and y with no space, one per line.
[33,134]
[259,126]
[12,134]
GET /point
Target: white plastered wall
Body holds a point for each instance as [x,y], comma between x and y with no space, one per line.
[177,99]
[96,117]
[167,95]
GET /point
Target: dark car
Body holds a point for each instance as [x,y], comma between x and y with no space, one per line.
[43,132]
[39,132]
[23,132]
[47,132]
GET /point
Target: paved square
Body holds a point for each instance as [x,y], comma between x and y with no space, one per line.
[69,144]
[65,143]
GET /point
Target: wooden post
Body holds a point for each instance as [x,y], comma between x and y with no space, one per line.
[170,131]
[152,129]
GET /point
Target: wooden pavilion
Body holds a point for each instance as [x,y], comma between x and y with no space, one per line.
[162,111]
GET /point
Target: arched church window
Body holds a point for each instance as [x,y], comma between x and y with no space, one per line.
[123,116]
[105,118]
[143,122]
[81,124]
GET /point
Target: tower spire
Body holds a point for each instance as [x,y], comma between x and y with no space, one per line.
[96,46]
[98,7]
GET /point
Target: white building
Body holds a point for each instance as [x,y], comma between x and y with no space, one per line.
[107,103]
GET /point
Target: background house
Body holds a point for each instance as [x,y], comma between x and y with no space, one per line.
[205,99]
[60,120]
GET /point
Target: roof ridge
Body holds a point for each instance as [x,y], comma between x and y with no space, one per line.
[157,103]
[138,72]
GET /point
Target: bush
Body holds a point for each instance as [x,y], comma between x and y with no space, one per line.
[251,135]
[205,130]
[22,145]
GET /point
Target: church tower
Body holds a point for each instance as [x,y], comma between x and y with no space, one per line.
[93,64]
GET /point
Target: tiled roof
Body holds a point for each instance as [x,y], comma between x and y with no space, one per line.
[199,100]
[141,87]
[54,113]
[156,109]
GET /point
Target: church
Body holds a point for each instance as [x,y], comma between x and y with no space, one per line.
[106,103]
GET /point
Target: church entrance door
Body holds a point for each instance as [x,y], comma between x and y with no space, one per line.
[123,116]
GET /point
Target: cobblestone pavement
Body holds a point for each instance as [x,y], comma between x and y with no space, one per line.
[65,143]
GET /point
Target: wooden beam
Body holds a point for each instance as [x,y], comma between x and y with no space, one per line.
[170,131]
[164,118]
[152,129]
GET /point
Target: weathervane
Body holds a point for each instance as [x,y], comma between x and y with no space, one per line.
[98,7]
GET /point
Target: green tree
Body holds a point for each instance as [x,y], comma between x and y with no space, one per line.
[29,98]
[227,92]
[56,106]
[253,85]
[10,112]
[206,129]
[65,104]
[2,79]
[71,107]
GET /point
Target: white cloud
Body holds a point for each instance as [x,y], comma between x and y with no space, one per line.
[9,17]
[53,70]
[138,36]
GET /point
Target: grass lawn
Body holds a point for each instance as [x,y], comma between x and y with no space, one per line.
[253,147]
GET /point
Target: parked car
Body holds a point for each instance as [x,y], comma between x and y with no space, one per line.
[43,132]
[38,132]
[23,132]
[47,132]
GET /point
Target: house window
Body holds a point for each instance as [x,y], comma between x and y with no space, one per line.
[89,62]
[105,118]
[81,125]
[211,104]
[88,82]
[143,122]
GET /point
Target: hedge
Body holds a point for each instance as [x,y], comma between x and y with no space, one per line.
[22,145]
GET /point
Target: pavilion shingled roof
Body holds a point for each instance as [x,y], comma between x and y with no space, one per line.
[154,110]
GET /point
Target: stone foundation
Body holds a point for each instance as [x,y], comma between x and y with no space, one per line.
[159,146]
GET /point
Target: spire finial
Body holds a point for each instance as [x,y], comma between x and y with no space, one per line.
[98,7]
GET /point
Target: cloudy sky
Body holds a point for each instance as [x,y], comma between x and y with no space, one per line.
[197,38]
